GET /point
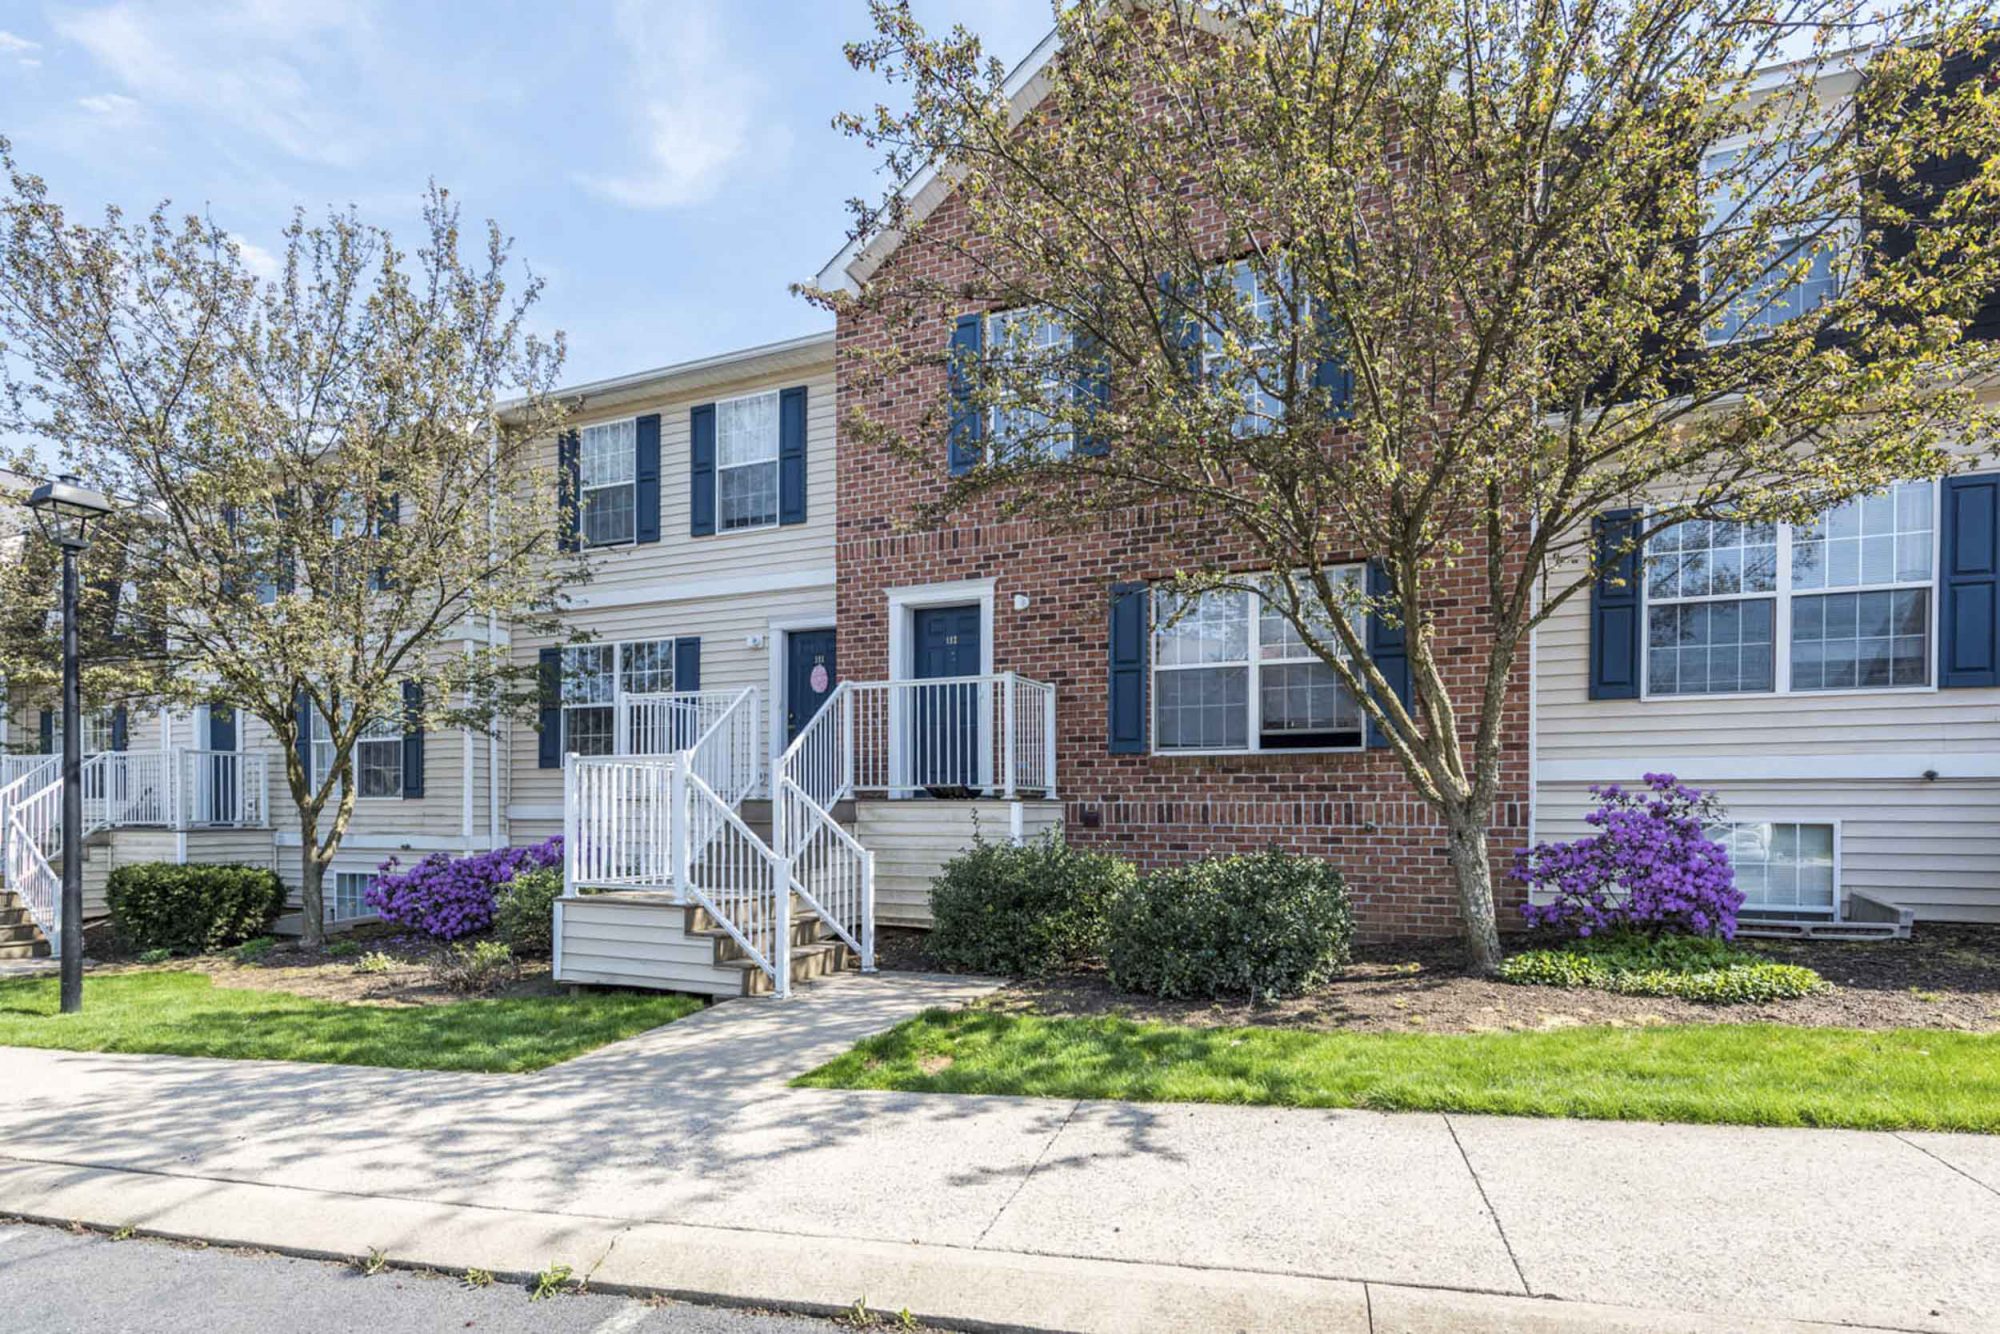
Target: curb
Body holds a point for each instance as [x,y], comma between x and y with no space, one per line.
[822,1275]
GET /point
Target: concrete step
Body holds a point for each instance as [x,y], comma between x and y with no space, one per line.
[33,949]
[13,933]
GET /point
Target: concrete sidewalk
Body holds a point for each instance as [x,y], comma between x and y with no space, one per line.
[678,1161]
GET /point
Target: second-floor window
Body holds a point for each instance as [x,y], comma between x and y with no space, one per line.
[746,461]
[1255,322]
[1841,603]
[1804,258]
[608,482]
[1028,348]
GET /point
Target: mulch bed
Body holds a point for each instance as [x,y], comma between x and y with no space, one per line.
[291,967]
[1943,977]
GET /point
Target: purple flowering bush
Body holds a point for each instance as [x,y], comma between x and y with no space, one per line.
[447,897]
[1648,868]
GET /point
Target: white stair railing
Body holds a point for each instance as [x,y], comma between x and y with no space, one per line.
[728,756]
[617,822]
[738,879]
[30,876]
[831,872]
[668,723]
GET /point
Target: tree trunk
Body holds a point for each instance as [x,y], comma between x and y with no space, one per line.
[1472,873]
[312,894]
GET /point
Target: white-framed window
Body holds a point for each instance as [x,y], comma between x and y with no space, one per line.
[1030,344]
[347,902]
[1806,263]
[378,759]
[319,750]
[746,461]
[607,469]
[1783,866]
[596,676]
[1260,304]
[1841,603]
[1231,673]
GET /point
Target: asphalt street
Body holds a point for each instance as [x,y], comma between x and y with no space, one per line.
[54,1281]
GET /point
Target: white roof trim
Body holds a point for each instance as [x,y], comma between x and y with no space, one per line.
[781,355]
[1024,88]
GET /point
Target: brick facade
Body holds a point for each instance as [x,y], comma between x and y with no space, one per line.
[1355,809]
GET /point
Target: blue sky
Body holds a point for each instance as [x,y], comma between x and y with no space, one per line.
[667,165]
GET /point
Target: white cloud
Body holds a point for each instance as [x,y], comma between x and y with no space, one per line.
[701,114]
[260,262]
[252,63]
[12,44]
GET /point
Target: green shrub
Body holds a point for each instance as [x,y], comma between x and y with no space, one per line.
[342,949]
[1023,909]
[483,966]
[1267,925]
[1695,968]
[254,949]
[524,912]
[156,956]
[193,909]
[375,961]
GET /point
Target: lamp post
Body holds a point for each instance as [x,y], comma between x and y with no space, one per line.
[64,510]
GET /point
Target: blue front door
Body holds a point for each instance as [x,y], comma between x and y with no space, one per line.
[945,750]
[810,675]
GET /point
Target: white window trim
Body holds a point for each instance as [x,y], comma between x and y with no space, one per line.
[1245,426]
[1781,626]
[582,487]
[1255,705]
[354,758]
[1838,912]
[317,723]
[776,463]
[330,902]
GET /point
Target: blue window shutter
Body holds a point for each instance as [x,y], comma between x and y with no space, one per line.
[413,739]
[569,492]
[48,726]
[792,455]
[687,664]
[121,735]
[1331,373]
[1969,583]
[549,748]
[701,471]
[1093,391]
[1614,607]
[1129,628]
[1388,648]
[646,487]
[968,422]
[302,721]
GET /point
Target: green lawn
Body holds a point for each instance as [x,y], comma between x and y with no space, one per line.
[184,1014]
[1743,1074]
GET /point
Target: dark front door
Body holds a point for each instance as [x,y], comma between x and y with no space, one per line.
[810,676]
[945,752]
[219,789]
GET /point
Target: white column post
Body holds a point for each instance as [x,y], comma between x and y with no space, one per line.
[781,946]
[1008,684]
[1049,740]
[867,911]
[677,825]
[569,828]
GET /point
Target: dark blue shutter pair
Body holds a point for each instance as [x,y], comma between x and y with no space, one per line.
[549,749]
[569,493]
[413,739]
[1388,648]
[1130,624]
[1969,583]
[646,472]
[1614,606]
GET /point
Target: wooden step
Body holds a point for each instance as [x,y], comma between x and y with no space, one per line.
[14,933]
[808,962]
[33,949]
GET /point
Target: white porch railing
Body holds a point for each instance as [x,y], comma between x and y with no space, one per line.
[221,788]
[980,735]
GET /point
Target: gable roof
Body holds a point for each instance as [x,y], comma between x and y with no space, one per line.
[857,261]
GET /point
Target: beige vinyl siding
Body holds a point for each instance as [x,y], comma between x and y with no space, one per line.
[1930,846]
[729,661]
[912,840]
[612,942]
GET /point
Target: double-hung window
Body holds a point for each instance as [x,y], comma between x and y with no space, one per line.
[1232,673]
[378,758]
[597,676]
[1841,603]
[1257,324]
[319,746]
[607,464]
[1805,256]
[746,461]
[1028,351]
[349,901]
[1781,866]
